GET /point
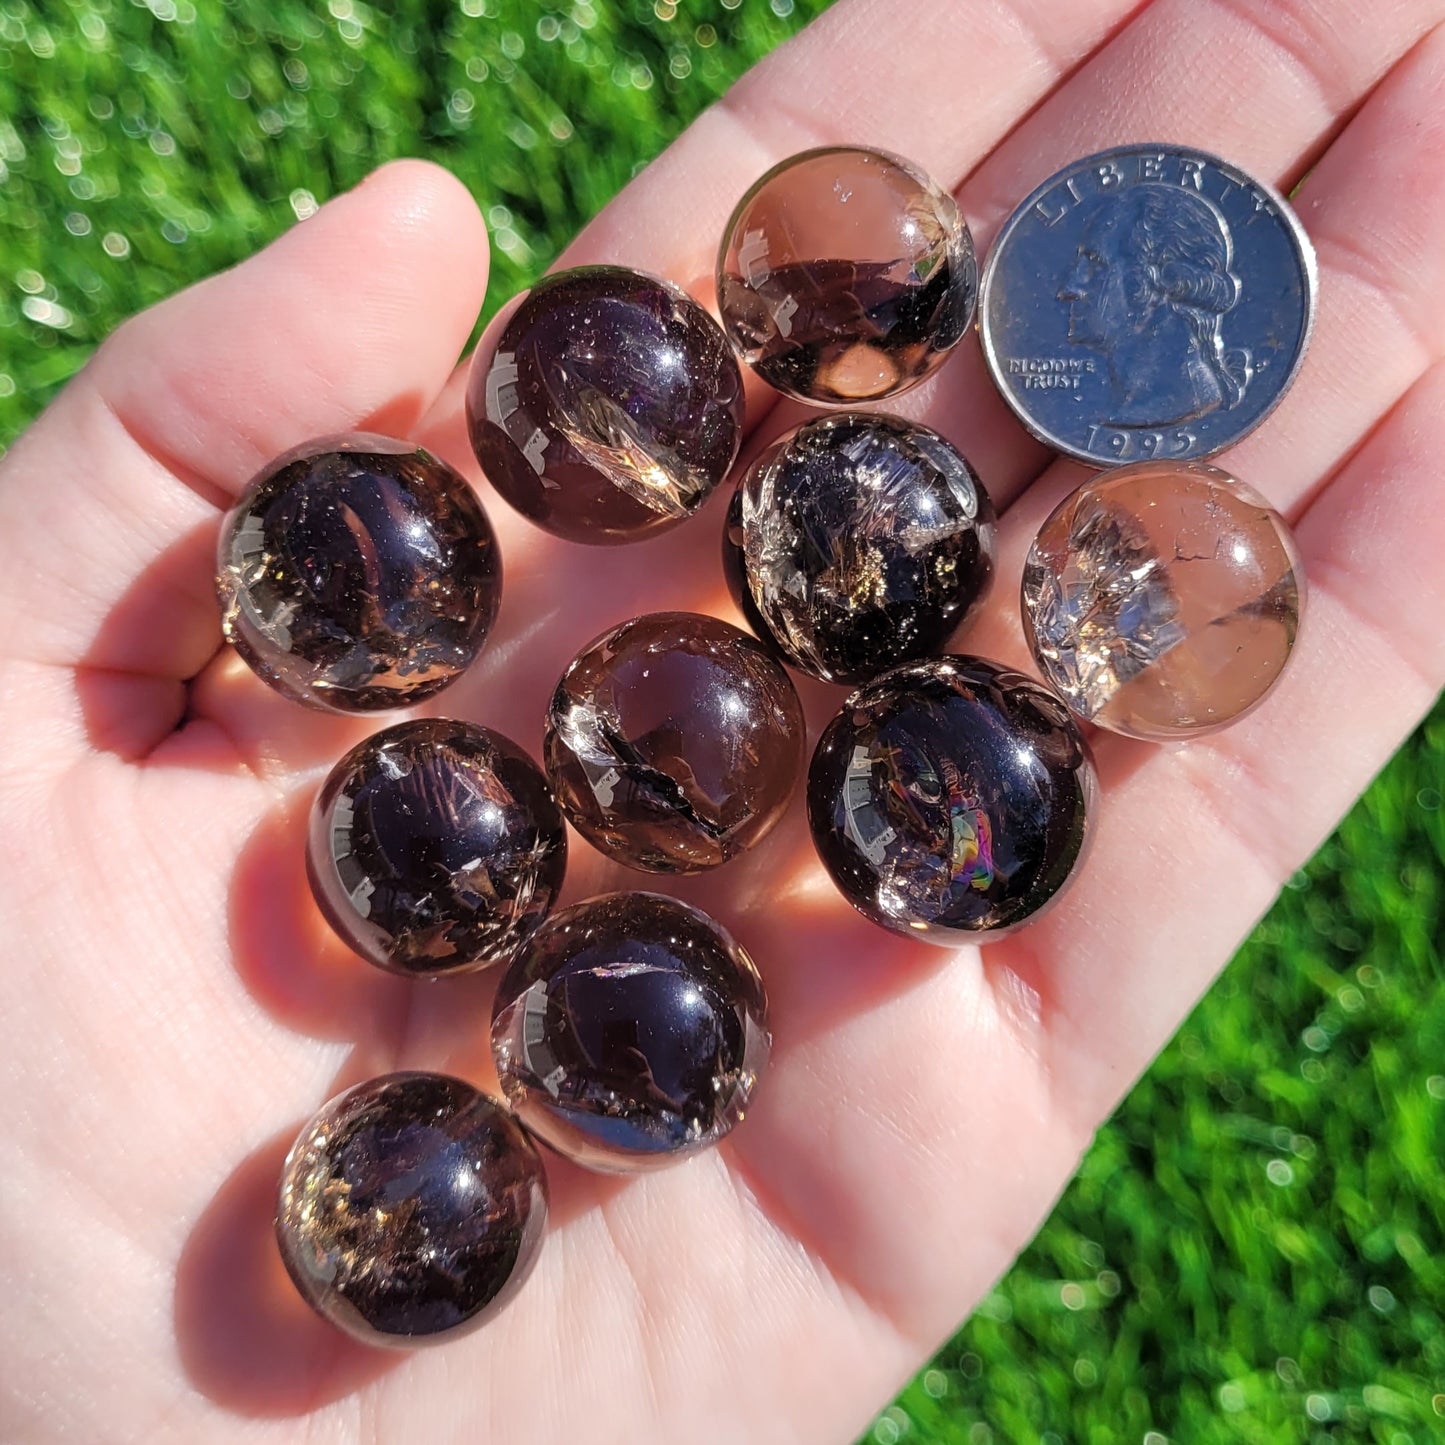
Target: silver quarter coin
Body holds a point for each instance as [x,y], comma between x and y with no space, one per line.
[1149,301]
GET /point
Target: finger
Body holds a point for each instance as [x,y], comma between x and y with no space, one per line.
[1241,810]
[1265,84]
[839,81]
[1374,210]
[353,318]
[861,73]
[1217,827]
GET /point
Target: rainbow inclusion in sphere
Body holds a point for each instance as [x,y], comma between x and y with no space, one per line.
[846,275]
[674,742]
[950,799]
[435,846]
[630,1031]
[411,1209]
[608,407]
[358,573]
[1162,600]
[859,541]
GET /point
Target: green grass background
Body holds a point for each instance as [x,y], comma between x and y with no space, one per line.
[1252,1249]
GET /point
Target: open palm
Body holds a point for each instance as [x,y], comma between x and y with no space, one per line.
[171,1006]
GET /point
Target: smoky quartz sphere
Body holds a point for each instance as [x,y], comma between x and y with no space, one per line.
[950,798]
[674,742]
[630,1030]
[358,573]
[846,275]
[861,541]
[435,846]
[411,1209]
[1162,599]
[609,406]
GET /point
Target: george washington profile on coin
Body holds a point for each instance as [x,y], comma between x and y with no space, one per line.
[1150,289]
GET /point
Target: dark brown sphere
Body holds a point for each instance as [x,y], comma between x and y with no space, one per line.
[358,573]
[630,1031]
[674,742]
[435,846]
[859,541]
[609,406]
[411,1209]
[846,275]
[949,799]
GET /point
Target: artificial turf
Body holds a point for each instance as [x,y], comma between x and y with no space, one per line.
[1252,1249]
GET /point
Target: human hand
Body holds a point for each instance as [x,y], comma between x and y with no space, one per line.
[173,1006]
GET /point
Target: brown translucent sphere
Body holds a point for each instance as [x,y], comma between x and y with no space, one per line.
[950,798]
[358,573]
[846,275]
[608,407]
[630,1032]
[435,846]
[1162,599]
[411,1208]
[674,742]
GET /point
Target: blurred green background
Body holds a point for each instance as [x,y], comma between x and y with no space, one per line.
[1252,1251]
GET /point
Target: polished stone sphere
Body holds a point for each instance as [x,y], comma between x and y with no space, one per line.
[674,742]
[411,1209]
[435,847]
[846,275]
[1162,600]
[863,541]
[631,1030]
[358,573]
[609,406]
[949,799]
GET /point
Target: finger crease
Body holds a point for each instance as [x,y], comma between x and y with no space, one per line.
[158,456]
[1237,793]
[764,136]
[1305,44]
[1355,262]
[1346,585]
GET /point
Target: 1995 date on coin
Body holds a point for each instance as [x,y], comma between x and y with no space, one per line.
[1149,301]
